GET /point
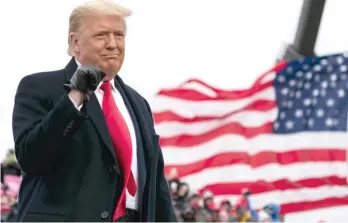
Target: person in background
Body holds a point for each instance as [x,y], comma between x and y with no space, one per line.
[226,206]
[181,196]
[264,217]
[173,181]
[246,193]
[86,140]
[195,200]
[243,213]
[188,213]
[224,216]
[10,157]
[273,210]
[10,165]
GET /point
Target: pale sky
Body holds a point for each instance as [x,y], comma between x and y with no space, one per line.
[225,43]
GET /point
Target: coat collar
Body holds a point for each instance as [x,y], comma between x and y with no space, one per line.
[70,68]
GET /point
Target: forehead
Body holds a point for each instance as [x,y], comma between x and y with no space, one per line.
[104,22]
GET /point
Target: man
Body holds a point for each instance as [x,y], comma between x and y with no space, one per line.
[9,165]
[87,147]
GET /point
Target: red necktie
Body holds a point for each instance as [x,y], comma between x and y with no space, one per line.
[122,144]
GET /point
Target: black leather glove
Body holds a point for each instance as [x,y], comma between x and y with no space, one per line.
[86,80]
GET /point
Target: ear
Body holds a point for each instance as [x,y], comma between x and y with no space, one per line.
[74,42]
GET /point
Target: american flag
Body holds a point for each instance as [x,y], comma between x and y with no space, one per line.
[285,138]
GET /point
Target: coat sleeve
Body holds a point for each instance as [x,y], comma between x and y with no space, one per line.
[164,207]
[40,128]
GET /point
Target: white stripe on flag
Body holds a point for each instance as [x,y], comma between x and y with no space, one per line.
[241,173]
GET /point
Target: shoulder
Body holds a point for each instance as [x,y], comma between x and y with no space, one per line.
[134,93]
[42,80]
[40,85]
[43,76]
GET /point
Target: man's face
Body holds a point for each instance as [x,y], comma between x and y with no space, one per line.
[101,42]
[183,190]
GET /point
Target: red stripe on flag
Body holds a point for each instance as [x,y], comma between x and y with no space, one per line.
[193,95]
[260,159]
[230,128]
[262,186]
[310,205]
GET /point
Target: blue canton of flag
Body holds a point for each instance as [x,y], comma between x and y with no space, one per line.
[312,95]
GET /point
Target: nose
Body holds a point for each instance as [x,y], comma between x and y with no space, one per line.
[111,42]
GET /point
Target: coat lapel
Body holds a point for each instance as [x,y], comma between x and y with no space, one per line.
[143,124]
[93,111]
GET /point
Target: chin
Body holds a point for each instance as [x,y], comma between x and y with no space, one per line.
[111,71]
[111,67]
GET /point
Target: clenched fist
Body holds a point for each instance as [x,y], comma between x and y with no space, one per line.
[86,80]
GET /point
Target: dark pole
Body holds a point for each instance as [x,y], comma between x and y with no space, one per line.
[307,31]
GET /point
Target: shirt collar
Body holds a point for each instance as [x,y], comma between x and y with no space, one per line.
[112,82]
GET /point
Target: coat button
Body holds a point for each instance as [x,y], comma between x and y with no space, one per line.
[65,132]
[112,168]
[104,215]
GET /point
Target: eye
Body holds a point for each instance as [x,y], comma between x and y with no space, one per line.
[119,34]
[101,34]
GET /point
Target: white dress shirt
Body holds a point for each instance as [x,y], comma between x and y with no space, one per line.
[131,202]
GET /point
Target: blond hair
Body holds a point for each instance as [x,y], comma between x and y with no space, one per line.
[95,7]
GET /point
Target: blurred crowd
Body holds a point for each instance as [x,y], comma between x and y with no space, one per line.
[201,207]
[10,182]
[189,206]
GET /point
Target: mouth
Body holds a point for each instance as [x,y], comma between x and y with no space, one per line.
[112,56]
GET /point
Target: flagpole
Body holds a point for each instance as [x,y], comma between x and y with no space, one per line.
[308,26]
[307,31]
